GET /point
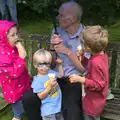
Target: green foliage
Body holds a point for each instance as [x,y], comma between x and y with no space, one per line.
[103,10]
[40,6]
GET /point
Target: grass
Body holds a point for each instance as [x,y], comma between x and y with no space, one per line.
[44,27]
[7,116]
[41,27]
[114,32]
[2,103]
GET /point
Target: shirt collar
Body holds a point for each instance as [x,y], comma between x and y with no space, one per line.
[81,27]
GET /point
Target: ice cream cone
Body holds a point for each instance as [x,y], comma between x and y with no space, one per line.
[79,48]
[51,76]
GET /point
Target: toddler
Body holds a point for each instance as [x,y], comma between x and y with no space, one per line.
[46,86]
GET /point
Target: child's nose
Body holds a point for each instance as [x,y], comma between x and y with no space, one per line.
[44,66]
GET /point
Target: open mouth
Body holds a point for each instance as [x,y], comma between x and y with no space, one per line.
[17,41]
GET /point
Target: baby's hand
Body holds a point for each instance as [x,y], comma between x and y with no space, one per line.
[59,61]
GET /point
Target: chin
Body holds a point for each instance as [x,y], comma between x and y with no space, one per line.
[44,72]
[63,26]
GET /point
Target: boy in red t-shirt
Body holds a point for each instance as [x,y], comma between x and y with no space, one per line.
[94,40]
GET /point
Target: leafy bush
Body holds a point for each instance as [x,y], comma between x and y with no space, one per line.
[101,9]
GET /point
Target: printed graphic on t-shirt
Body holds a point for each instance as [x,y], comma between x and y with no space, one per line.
[54,91]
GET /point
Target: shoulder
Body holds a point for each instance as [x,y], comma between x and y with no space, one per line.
[99,60]
[35,81]
[52,71]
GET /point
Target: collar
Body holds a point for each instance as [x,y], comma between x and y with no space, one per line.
[81,27]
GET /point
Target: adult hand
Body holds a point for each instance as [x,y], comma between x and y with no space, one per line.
[56,39]
[21,50]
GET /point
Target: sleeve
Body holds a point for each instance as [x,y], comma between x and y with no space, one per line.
[13,68]
[98,79]
[37,86]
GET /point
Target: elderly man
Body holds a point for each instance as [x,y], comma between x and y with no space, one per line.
[70,28]
[65,45]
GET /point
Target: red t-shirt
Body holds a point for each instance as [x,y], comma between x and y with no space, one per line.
[96,85]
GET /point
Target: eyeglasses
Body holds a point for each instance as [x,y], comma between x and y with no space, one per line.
[44,64]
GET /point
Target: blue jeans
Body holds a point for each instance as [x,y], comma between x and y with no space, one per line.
[57,116]
[18,109]
[11,5]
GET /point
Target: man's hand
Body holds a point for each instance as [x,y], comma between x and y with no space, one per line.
[21,50]
[55,39]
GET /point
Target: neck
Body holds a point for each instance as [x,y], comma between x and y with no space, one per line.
[72,29]
[39,74]
[102,52]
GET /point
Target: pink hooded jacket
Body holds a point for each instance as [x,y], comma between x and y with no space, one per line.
[14,77]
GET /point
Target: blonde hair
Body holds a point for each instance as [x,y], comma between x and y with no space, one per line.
[41,53]
[95,37]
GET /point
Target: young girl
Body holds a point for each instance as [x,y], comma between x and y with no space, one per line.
[14,77]
[94,40]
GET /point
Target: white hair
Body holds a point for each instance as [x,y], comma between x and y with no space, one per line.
[75,9]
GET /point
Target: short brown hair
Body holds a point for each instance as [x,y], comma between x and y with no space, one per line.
[95,37]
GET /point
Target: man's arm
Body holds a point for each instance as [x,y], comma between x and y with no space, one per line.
[54,56]
[63,50]
[75,60]
[59,67]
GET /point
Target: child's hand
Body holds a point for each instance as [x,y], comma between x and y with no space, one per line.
[76,78]
[59,61]
[80,54]
[21,50]
[52,83]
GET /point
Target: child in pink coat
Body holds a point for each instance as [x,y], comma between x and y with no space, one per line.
[14,77]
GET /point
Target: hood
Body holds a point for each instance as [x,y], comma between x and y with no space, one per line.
[4,27]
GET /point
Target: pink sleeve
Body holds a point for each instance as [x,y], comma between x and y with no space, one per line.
[14,69]
[97,80]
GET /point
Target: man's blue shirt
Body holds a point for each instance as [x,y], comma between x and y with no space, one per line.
[71,42]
